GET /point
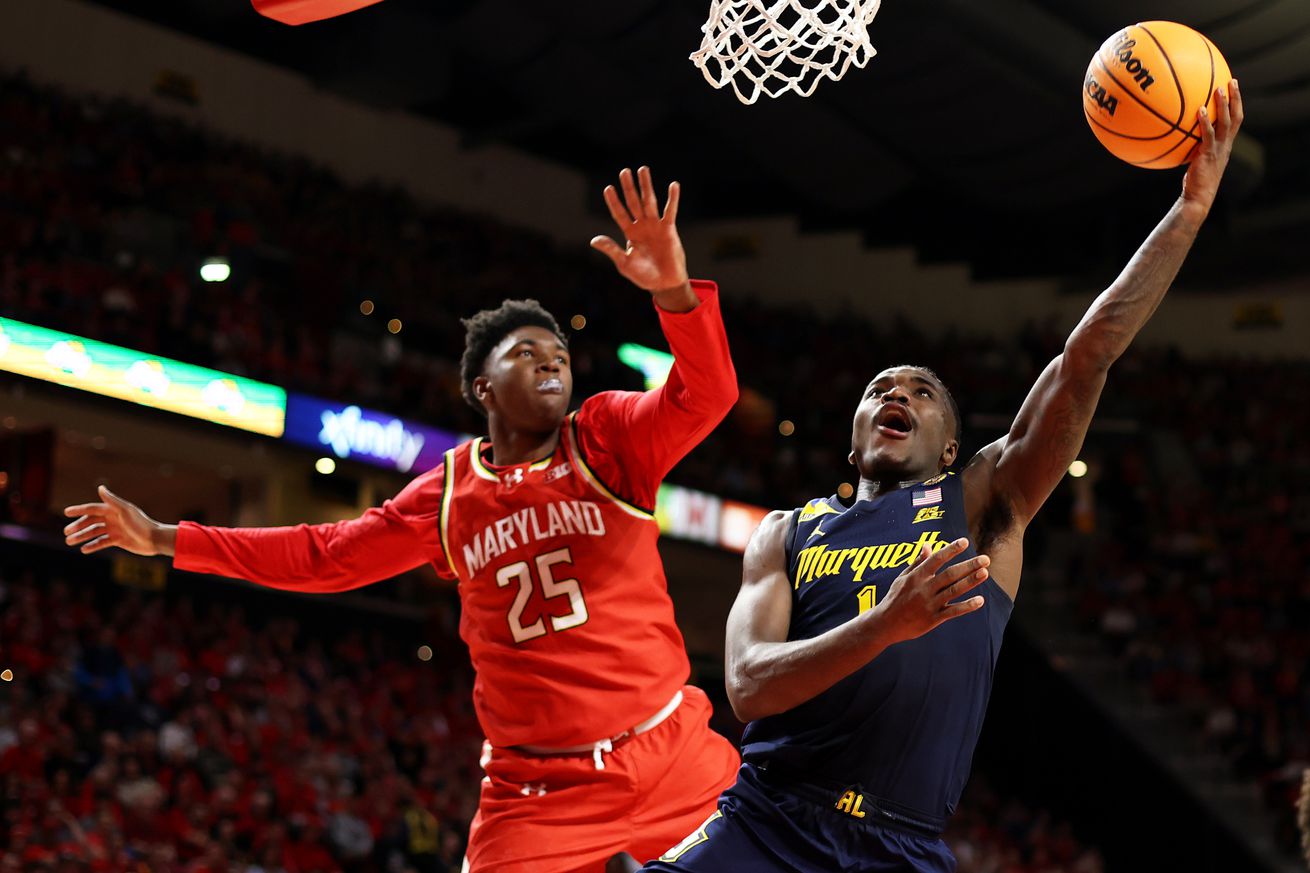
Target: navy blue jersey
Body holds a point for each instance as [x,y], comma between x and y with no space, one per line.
[903,727]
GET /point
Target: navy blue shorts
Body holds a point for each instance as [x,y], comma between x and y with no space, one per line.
[763,826]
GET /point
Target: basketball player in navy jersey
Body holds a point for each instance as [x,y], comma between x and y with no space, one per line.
[862,644]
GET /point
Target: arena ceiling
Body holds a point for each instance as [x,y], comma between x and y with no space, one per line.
[964,136]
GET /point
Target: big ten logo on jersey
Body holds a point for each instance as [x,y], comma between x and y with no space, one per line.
[533,524]
[559,471]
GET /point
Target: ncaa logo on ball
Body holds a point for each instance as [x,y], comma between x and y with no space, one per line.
[1097,92]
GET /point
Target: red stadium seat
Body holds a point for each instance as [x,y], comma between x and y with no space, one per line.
[303,11]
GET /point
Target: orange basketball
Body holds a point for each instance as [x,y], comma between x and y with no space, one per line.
[1144,88]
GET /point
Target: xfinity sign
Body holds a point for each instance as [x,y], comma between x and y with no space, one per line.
[358,434]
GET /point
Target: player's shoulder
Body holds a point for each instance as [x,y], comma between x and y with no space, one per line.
[597,408]
[778,527]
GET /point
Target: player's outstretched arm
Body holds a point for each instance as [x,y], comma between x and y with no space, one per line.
[383,542]
[1024,467]
[652,257]
[768,674]
[647,433]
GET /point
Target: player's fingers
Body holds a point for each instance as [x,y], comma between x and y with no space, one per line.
[963,585]
[964,607]
[924,554]
[630,196]
[113,499]
[617,210]
[942,555]
[609,248]
[1207,127]
[956,572]
[649,206]
[1235,104]
[96,545]
[90,532]
[82,519]
[671,207]
[86,509]
[81,522]
[1222,111]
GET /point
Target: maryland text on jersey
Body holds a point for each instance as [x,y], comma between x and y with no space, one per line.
[818,562]
[533,524]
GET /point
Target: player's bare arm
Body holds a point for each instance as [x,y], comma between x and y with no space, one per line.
[768,674]
[652,257]
[114,521]
[1009,480]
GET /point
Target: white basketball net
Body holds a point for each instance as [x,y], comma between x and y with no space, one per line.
[773,46]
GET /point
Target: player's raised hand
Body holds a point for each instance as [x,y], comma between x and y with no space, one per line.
[652,257]
[920,598]
[116,522]
[1210,157]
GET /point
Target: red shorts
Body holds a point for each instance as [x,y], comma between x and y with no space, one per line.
[563,815]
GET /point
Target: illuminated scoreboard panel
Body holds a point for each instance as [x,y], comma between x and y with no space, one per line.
[150,380]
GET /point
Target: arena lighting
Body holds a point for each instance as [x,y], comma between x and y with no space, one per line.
[162,383]
[652,364]
[215,270]
[7,675]
[425,653]
[326,466]
[1078,469]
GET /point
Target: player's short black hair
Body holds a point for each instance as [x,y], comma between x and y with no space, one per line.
[485,330]
[950,398]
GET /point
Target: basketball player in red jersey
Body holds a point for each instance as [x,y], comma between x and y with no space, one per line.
[594,744]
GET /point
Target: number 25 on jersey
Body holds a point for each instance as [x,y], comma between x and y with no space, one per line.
[550,588]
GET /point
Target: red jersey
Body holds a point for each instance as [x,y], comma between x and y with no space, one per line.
[565,607]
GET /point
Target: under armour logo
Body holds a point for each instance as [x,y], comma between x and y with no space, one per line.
[529,789]
[511,478]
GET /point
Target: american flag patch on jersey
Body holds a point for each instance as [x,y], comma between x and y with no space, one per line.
[926,498]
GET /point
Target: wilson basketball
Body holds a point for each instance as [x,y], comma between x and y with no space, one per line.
[1144,88]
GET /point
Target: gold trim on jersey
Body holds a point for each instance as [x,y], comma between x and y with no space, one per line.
[816,508]
[593,479]
[479,467]
[487,473]
[447,494]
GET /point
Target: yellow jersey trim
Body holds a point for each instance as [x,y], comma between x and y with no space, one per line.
[447,494]
[476,459]
[594,480]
